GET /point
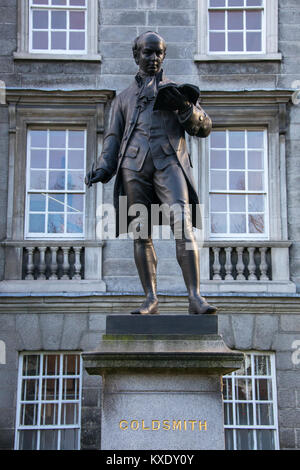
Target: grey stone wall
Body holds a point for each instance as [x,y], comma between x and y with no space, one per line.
[82,332]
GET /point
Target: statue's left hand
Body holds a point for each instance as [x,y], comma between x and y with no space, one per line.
[176,101]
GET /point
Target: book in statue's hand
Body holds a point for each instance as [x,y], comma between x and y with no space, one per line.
[190,92]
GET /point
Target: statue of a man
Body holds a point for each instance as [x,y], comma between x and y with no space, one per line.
[146,149]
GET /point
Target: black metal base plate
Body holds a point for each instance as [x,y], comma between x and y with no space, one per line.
[162,325]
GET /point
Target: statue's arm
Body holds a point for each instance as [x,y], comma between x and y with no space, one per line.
[108,160]
[195,121]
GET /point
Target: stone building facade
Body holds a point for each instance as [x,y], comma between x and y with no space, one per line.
[61,63]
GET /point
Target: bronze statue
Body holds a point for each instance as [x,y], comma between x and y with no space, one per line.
[145,147]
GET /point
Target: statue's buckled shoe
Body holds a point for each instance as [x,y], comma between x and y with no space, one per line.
[199,307]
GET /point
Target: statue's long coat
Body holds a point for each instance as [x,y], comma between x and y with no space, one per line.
[124,115]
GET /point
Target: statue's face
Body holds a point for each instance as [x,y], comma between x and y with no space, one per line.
[150,54]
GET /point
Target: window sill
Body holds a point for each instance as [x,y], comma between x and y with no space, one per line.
[237,57]
[65,57]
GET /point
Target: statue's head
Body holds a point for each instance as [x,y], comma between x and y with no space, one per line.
[149,51]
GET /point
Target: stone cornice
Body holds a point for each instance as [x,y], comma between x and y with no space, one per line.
[30,96]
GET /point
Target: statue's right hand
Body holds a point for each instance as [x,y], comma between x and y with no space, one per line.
[94,176]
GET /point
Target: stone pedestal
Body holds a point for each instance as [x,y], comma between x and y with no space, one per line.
[162,382]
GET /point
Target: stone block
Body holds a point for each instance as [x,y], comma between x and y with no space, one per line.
[266,326]
[287,438]
[243,328]
[73,327]
[51,330]
[175,4]
[123,18]
[119,34]
[119,4]
[172,18]
[290,323]
[28,327]
[97,322]
[7,436]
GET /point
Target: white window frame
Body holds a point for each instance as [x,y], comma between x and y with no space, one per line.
[39,400]
[270,37]
[244,236]
[56,8]
[255,426]
[25,52]
[36,236]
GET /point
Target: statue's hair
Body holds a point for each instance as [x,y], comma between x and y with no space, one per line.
[136,42]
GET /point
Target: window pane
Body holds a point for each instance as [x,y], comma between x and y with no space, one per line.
[235,42]
[38,159]
[235,3]
[254,3]
[253,20]
[237,159]
[217,3]
[256,223]
[50,389]
[40,40]
[77,41]
[237,180]
[37,179]
[36,223]
[30,390]
[235,20]
[265,439]
[244,414]
[253,42]
[28,440]
[51,364]
[70,389]
[76,139]
[255,160]
[218,180]
[40,19]
[58,139]
[238,223]
[76,159]
[217,42]
[229,445]
[256,203]
[75,203]
[218,203]
[218,159]
[58,41]
[49,414]
[38,139]
[237,203]
[69,439]
[48,439]
[217,20]
[263,389]
[77,20]
[245,439]
[58,19]
[218,140]
[255,181]
[227,388]
[57,180]
[57,159]
[262,365]
[218,223]
[56,223]
[264,414]
[75,180]
[243,389]
[37,203]
[56,203]
[75,223]
[228,413]
[71,364]
[29,415]
[69,413]
[236,140]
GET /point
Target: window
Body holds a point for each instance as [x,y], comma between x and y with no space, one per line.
[55,203]
[58,30]
[237,30]
[250,405]
[238,183]
[58,25]
[236,26]
[49,397]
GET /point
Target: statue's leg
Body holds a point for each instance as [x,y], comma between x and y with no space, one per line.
[139,190]
[146,263]
[187,252]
